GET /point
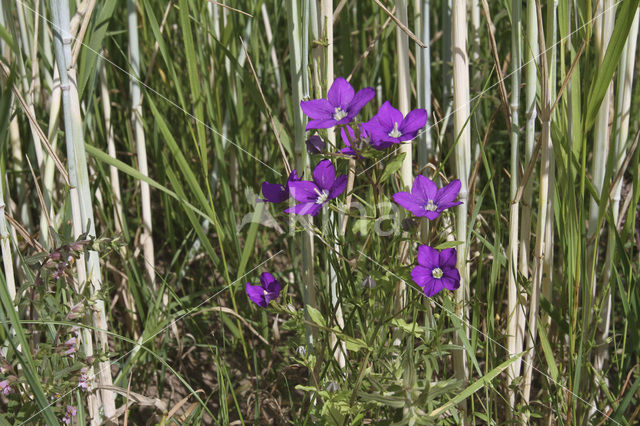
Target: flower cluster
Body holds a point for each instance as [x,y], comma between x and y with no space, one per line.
[436,270]
[71,412]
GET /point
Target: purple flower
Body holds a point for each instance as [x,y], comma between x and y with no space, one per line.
[314,195]
[426,199]
[268,290]
[71,412]
[71,346]
[341,105]
[436,270]
[388,125]
[276,193]
[349,135]
[315,145]
[83,381]
[5,387]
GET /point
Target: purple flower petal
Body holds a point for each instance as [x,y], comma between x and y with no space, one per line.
[421,275]
[414,121]
[274,192]
[431,215]
[315,145]
[360,100]
[446,196]
[451,279]
[347,138]
[304,191]
[293,176]
[256,294]
[448,258]
[387,116]
[317,109]
[408,201]
[340,94]
[428,257]
[324,123]
[324,175]
[338,187]
[433,288]
[271,286]
[423,190]
[305,208]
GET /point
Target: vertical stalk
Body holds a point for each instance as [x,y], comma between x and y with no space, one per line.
[462,135]
[425,140]
[82,209]
[141,150]
[513,314]
[298,76]
[5,243]
[623,109]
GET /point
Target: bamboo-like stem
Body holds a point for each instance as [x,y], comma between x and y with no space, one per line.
[404,101]
[462,135]
[5,243]
[425,139]
[141,150]
[272,50]
[625,84]
[545,148]
[82,209]
[304,242]
[340,349]
[514,308]
[605,15]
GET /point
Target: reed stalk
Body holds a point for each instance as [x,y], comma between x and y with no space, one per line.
[423,57]
[514,308]
[146,239]
[618,147]
[539,251]
[80,194]
[462,152]
[5,243]
[304,241]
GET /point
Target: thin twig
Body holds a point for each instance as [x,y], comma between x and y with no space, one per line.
[401,25]
[231,8]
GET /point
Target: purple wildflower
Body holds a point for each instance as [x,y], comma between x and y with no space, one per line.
[349,136]
[340,107]
[5,387]
[436,270]
[426,199]
[71,347]
[315,145]
[389,125]
[268,290]
[71,412]
[83,381]
[314,195]
[276,193]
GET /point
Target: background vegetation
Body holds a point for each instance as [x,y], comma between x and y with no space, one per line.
[134,137]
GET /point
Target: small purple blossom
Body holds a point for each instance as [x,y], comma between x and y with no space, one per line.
[314,195]
[277,193]
[268,290]
[436,270]
[5,387]
[71,412]
[425,199]
[83,381]
[71,347]
[349,136]
[315,145]
[389,125]
[340,107]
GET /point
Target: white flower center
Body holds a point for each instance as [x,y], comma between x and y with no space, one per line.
[265,292]
[339,114]
[431,206]
[436,273]
[322,196]
[395,133]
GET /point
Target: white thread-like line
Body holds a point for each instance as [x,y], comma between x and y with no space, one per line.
[192,310]
[158,94]
[468,324]
[497,83]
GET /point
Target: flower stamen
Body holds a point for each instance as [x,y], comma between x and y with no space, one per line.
[339,114]
[322,196]
[431,206]
[395,133]
[437,273]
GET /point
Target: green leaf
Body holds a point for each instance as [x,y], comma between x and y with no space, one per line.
[448,244]
[392,166]
[316,316]
[548,353]
[611,59]
[476,386]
